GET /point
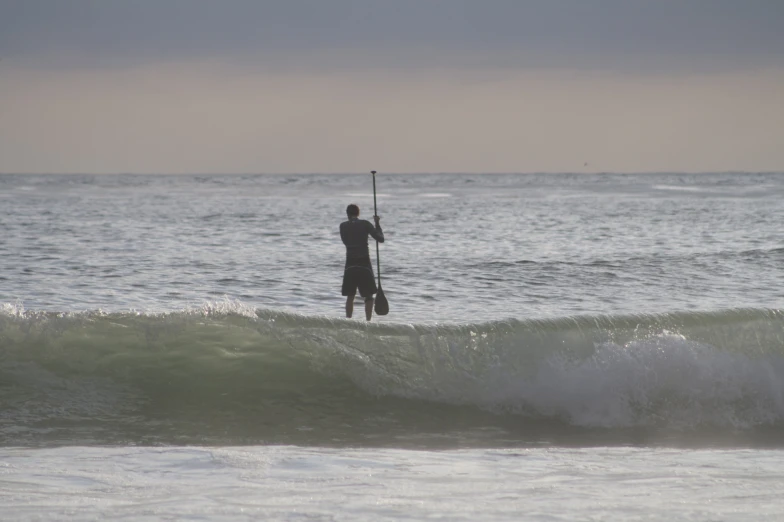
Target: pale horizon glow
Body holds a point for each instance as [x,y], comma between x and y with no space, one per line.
[407,107]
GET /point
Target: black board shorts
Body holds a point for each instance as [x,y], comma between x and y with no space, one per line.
[359,276]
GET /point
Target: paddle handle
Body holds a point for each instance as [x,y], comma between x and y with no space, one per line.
[375,207]
[375,213]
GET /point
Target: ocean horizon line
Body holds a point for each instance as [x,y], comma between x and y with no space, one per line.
[412,173]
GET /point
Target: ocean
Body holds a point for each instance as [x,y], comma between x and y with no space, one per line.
[558,347]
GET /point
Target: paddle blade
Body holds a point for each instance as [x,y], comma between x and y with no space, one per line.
[382,306]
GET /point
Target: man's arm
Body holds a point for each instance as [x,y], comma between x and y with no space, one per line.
[376,231]
[343,233]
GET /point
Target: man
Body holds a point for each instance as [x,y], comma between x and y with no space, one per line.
[359,270]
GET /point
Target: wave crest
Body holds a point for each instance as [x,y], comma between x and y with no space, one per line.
[228,370]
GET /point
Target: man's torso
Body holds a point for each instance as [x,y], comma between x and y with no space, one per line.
[354,234]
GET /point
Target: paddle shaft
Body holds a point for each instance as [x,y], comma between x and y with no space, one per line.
[375,213]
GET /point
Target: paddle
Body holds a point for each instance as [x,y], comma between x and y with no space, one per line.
[382,306]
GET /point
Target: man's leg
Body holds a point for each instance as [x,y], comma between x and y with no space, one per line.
[349,306]
[369,308]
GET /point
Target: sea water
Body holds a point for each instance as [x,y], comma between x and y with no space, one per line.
[558,347]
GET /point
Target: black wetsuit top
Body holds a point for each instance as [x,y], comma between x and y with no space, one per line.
[354,234]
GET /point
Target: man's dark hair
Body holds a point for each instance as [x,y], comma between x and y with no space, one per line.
[352,210]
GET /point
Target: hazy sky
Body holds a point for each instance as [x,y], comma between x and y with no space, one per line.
[392,85]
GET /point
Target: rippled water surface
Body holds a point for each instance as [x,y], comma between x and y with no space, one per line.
[459,247]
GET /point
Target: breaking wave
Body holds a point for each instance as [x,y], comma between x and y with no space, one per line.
[227,373]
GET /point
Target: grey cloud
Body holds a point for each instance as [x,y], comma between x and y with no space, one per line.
[568,32]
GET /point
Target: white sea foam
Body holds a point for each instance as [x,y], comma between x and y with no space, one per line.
[667,380]
[289,483]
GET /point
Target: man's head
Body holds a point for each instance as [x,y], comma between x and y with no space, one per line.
[352,211]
